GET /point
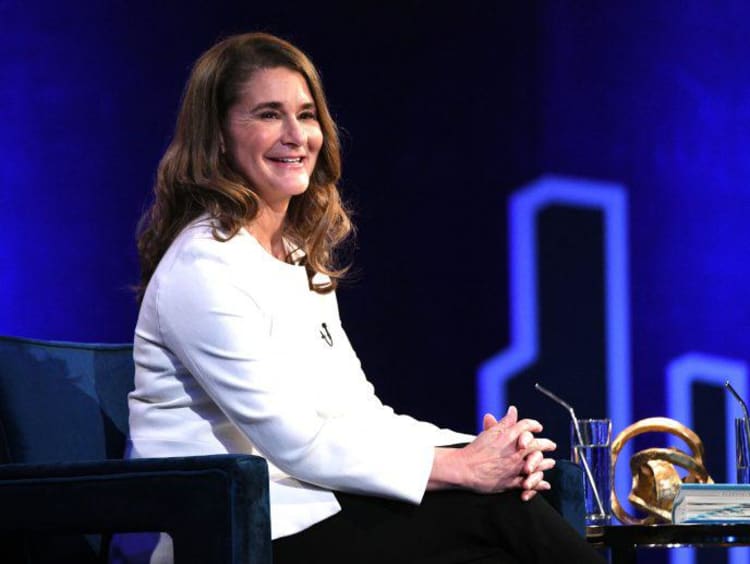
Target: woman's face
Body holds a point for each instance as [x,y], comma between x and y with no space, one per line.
[272,134]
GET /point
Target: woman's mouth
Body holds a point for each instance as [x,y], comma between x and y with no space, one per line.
[287,160]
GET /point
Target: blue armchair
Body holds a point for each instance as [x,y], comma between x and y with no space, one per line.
[566,495]
[63,424]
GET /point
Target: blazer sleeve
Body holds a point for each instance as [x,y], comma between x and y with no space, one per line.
[214,325]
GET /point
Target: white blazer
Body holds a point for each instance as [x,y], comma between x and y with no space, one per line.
[235,354]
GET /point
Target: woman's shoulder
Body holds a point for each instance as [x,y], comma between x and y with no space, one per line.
[203,264]
[205,238]
[203,253]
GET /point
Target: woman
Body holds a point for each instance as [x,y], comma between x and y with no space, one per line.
[239,346]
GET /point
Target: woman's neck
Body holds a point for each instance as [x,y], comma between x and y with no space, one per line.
[268,228]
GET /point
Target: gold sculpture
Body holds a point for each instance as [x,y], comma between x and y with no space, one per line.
[655,479]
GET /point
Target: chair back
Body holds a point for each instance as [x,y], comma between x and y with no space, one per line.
[63,402]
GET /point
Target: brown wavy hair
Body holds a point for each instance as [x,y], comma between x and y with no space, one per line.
[195,177]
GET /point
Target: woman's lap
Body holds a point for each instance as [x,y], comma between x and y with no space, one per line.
[448,527]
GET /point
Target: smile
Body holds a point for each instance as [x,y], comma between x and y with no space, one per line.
[287,160]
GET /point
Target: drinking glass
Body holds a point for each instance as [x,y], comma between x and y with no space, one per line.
[593,453]
[742,446]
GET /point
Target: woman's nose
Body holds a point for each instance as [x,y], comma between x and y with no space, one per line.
[293,133]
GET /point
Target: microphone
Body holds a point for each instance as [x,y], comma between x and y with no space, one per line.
[326,335]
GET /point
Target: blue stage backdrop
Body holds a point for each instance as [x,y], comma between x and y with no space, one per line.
[615,134]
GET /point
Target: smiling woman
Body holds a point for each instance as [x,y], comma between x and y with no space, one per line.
[273,138]
[239,346]
[236,126]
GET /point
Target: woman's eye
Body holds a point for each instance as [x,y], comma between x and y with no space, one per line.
[269,115]
[308,115]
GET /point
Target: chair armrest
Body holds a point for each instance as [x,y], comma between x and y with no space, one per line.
[215,508]
[566,495]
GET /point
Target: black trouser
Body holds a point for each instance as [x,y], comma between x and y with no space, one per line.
[448,527]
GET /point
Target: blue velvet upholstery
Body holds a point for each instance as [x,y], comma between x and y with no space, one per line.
[63,402]
[63,423]
[566,495]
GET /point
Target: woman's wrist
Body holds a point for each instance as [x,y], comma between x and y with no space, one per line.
[448,469]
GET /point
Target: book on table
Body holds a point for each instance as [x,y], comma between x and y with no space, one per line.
[712,503]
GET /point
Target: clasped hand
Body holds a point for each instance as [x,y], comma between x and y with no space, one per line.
[507,455]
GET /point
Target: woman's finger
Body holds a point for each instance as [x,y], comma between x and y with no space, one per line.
[544,485]
[488,421]
[533,462]
[509,419]
[539,444]
[513,432]
[514,484]
[532,480]
[546,464]
[529,425]
[524,440]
